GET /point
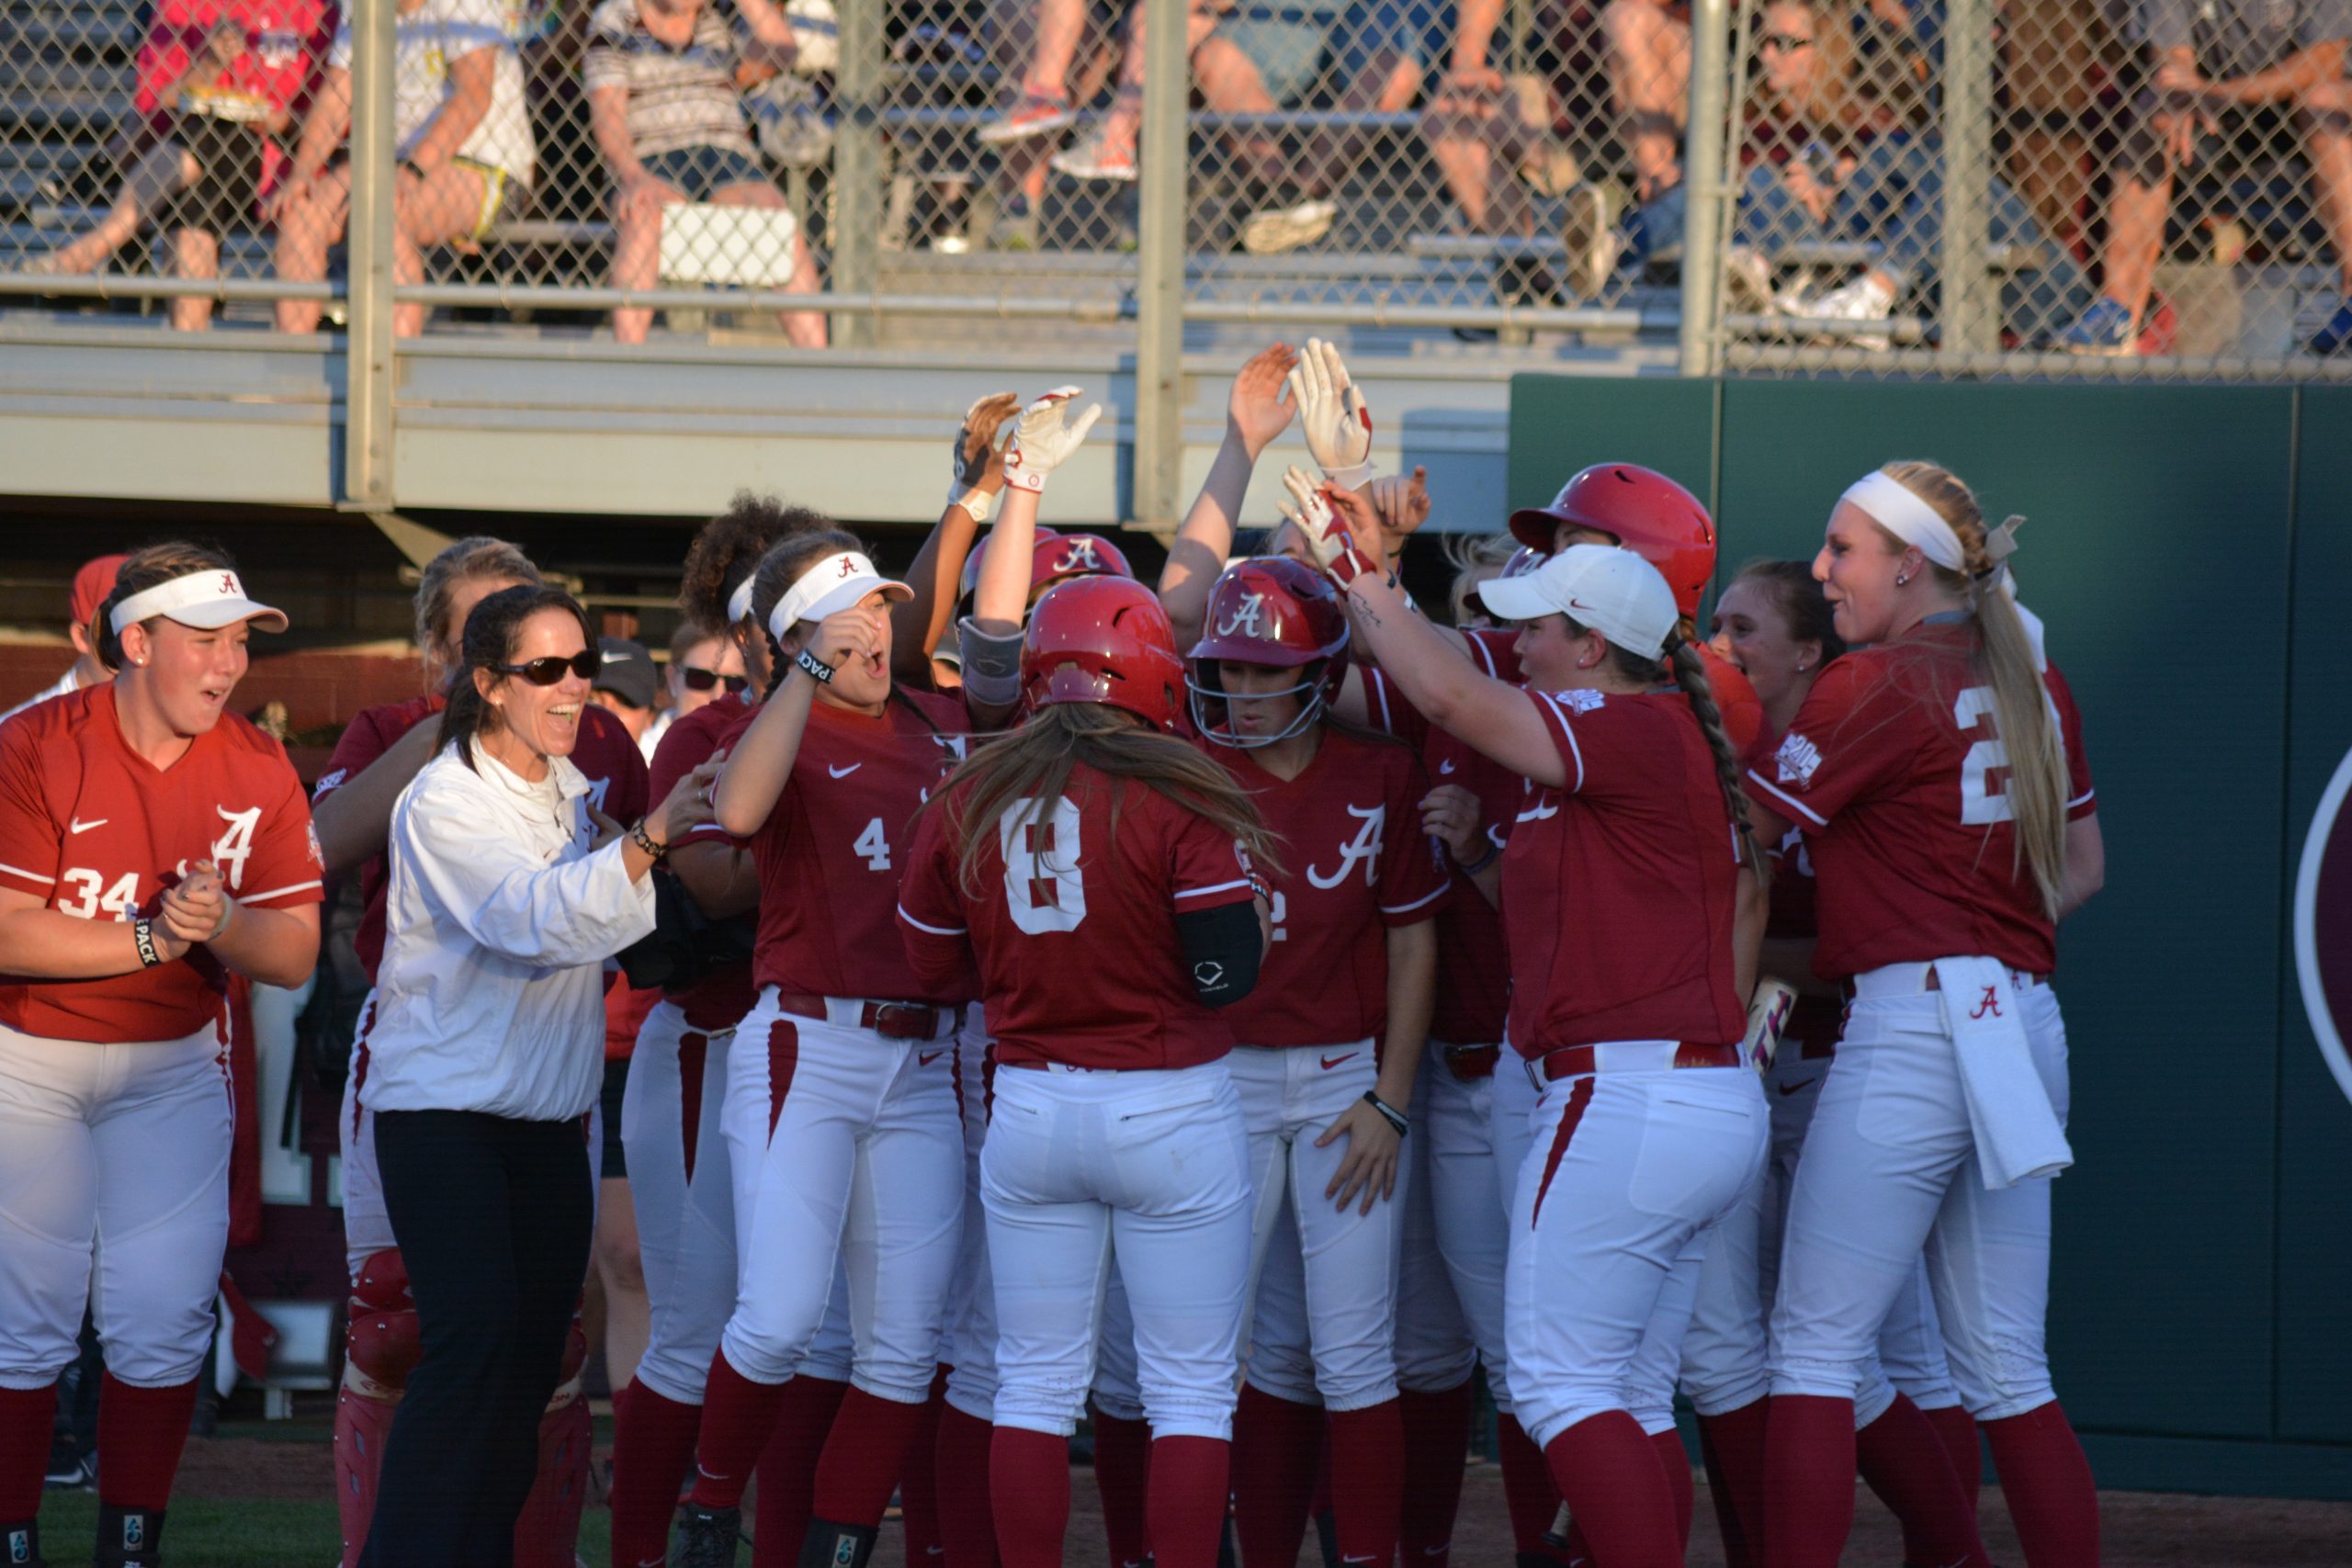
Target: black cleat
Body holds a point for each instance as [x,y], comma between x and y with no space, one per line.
[20,1545]
[706,1538]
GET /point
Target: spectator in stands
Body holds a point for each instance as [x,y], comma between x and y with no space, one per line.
[1482,129]
[2224,70]
[463,146]
[703,663]
[1056,28]
[663,79]
[626,685]
[218,84]
[91,586]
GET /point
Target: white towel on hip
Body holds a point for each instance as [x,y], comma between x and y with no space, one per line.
[2018,1136]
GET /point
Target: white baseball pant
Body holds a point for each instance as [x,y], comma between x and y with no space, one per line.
[1639,1162]
[1889,1167]
[1455,1235]
[1513,1105]
[1155,1163]
[114,1194]
[1115,1390]
[1288,1096]
[969,1344]
[847,1157]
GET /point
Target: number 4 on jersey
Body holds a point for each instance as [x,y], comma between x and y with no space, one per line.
[874,846]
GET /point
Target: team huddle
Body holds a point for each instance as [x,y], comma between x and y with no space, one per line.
[1238,1011]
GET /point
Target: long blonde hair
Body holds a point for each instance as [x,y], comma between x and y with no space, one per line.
[1034,762]
[2004,661]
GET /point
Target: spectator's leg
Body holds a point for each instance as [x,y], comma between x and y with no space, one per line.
[1387,83]
[1060,25]
[805,329]
[1477,147]
[305,229]
[1229,82]
[161,174]
[2327,142]
[445,206]
[2135,219]
[195,253]
[637,257]
[1649,58]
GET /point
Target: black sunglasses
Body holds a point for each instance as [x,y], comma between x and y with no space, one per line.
[549,670]
[697,679]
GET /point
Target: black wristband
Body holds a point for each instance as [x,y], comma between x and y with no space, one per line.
[1472,868]
[644,840]
[143,932]
[1395,1118]
[814,665]
[413,167]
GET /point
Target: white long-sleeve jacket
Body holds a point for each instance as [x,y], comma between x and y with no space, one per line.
[498,919]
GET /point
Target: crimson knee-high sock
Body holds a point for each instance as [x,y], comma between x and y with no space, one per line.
[1809,1476]
[1029,1488]
[1189,1477]
[787,1469]
[654,1444]
[864,1458]
[1437,1447]
[1902,1459]
[1368,1481]
[918,1488]
[1676,1460]
[1956,1429]
[2053,1500]
[26,1416]
[1607,1470]
[1733,1444]
[966,1525]
[737,1415]
[1122,1463]
[1529,1494]
[1277,1448]
[140,1433]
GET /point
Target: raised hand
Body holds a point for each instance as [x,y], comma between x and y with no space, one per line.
[1333,415]
[976,461]
[1260,406]
[1330,521]
[1401,502]
[1041,442]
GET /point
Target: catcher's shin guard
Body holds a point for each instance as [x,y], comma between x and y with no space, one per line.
[547,1532]
[380,1348]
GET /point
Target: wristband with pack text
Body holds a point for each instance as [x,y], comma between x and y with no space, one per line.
[1389,1113]
[815,666]
[142,933]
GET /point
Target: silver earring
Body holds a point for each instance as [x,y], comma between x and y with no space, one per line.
[1901,578]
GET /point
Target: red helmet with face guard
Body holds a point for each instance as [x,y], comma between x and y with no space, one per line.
[1274,611]
[1102,639]
[1056,558]
[1642,510]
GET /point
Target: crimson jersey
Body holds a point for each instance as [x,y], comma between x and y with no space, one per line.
[1473,962]
[1813,1023]
[605,755]
[285,43]
[1894,775]
[1735,698]
[1619,887]
[719,1000]
[1075,923]
[97,832]
[1355,861]
[831,853]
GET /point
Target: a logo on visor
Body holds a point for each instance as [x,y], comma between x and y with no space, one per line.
[849,566]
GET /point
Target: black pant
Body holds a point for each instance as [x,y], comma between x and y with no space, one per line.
[493,1218]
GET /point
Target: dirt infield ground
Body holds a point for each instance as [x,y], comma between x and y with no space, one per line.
[284,1480]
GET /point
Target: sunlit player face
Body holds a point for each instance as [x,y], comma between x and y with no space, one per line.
[1259,699]
[186,673]
[1752,631]
[1552,657]
[536,722]
[1857,568]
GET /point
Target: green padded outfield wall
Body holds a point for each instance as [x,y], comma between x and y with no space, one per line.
[2191,549]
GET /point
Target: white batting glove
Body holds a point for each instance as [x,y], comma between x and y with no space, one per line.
[1042,443]
[1334,549]
[1332,414]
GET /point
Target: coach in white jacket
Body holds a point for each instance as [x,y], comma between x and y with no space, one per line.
[507,893]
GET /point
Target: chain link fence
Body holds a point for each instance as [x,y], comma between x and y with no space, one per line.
[2031,187]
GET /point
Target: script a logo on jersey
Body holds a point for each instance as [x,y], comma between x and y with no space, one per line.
[1365,847]
[236,845]
[1247,617]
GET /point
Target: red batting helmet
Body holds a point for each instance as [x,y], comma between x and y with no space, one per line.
[1102,639]
[1056,557]
[1274,611]
[1642,510]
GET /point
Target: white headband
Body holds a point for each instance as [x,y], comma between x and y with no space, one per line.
[1895,508]
[210,600]
[832,585]
[739,603]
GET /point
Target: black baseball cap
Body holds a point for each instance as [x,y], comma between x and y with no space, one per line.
[628,671]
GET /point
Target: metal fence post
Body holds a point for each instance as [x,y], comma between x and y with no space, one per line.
[1968,311]
[367,341]
[1160,271]
[1702,177]
[857,165]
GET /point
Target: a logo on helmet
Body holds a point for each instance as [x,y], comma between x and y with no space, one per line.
[1246,618]
[1079,556]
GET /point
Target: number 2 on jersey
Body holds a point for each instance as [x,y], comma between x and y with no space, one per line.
[1982,801]
[1044,888]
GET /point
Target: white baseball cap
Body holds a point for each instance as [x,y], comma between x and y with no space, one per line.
[207,600]
[1614,591]
[828,587]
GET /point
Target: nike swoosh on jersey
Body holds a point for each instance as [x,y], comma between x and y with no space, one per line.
[78,826]
[842,773]
[1330,1062]
[1446,766]
[928,1058]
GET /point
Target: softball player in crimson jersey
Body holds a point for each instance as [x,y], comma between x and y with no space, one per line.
[151,844]
[1621,889]
[380,751]
[1931,776]
[840,1110]
[1330,1045]
[1108,924]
